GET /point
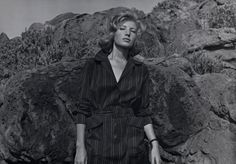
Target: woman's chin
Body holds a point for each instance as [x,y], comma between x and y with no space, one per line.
[124,45]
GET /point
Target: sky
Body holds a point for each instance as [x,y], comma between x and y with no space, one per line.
[17,15]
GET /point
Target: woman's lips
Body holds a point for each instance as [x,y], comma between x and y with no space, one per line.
[126,39]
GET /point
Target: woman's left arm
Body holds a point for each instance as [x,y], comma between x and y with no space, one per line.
[154,154]
[147,112]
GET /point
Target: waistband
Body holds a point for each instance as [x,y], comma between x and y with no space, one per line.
[114,111]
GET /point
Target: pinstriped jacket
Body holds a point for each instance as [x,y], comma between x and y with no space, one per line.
[119,139]
[99,88]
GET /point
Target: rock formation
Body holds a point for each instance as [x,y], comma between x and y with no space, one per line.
[189,48]
[36,27]
[3,39]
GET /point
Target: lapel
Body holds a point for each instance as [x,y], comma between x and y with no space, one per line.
[102,57]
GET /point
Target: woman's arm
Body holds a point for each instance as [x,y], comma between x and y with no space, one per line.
[154,154]
[82,112]
[81,154]
[149,132]
[146,111]
[80,130]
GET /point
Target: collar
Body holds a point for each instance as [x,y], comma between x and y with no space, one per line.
[102,56]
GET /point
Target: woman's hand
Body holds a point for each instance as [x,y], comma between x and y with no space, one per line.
[154,154]
[81,155]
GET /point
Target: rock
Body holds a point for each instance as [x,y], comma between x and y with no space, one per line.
[60,18]
[179,109]
[36,122]
[207,145]
[212,145]
[174,60]
[3,39]
[177,30]
[229,72]
[223,15]
[213,150]
[183,18]
[36,27]
[206,39]
[181,63]
[174,18]
[220,91]
[225,55]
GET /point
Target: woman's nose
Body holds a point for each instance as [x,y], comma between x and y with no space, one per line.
[127,32]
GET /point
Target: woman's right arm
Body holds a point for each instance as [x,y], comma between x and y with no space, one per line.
[81,154]
[82,112]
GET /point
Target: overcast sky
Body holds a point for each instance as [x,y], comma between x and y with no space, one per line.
[16,15]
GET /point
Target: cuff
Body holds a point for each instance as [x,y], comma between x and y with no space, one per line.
[80,118]
[146,120]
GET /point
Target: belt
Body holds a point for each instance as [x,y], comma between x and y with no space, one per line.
[114,111]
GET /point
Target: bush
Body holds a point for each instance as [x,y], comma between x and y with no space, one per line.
[202,63]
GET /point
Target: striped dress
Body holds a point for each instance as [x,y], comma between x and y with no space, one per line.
[114,113]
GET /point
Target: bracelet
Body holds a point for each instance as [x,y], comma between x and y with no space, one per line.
[155,139]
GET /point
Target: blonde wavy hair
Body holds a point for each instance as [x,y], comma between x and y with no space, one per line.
[106,43]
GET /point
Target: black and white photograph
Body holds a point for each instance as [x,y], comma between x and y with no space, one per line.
[117,81]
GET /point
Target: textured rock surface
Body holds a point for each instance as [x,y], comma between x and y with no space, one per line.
[220,90]
[180,111]
[206,39]
[36,27]
[36,124]
[60,18]
[189,47]
[3,39]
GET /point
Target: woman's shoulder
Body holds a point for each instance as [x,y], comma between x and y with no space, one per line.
[87,64]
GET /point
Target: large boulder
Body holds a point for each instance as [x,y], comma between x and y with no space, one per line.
[180,110]
[36,123]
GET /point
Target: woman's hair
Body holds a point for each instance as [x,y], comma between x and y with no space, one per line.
[106,44]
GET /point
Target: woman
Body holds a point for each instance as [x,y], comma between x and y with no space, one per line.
[113,118]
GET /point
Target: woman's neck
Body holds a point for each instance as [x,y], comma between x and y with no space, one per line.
[119,53]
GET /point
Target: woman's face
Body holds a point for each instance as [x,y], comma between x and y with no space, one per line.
[126,34]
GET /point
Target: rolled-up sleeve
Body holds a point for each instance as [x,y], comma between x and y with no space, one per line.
[83,109]
[145,110]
